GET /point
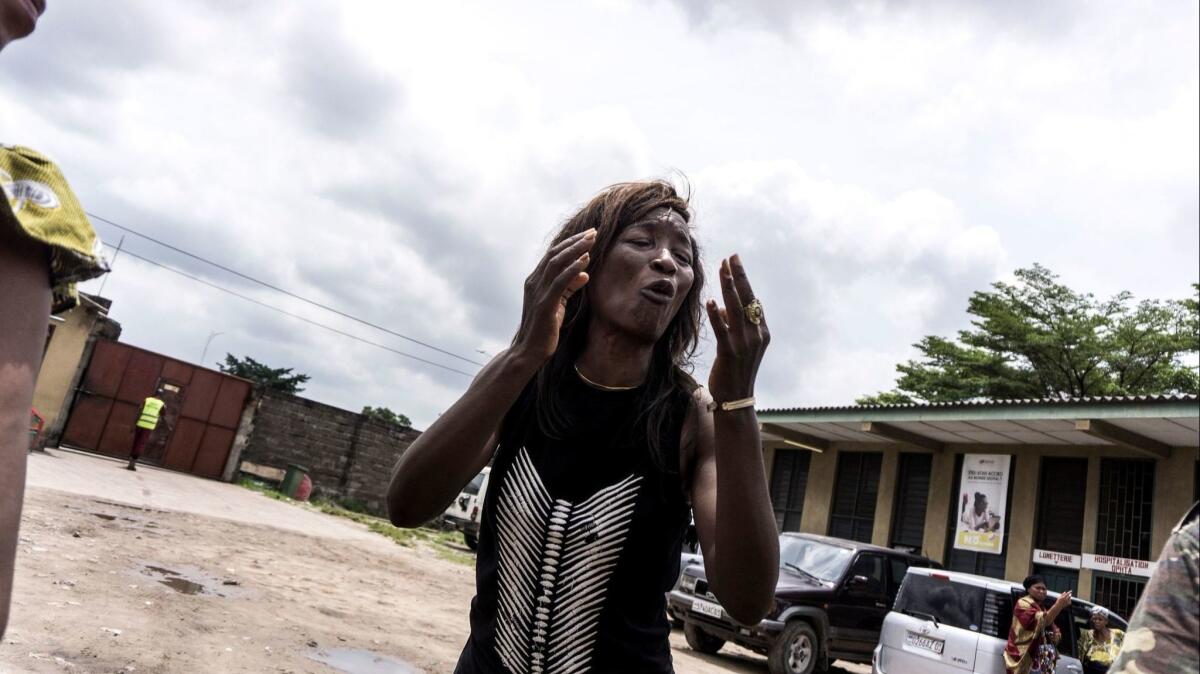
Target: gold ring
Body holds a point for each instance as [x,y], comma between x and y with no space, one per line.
[754,311]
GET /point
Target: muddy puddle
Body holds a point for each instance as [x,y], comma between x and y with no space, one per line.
[118,517]
[108,517]
[127,506]
[191,581]
[359,661]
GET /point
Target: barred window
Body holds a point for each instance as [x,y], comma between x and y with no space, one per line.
[854,494]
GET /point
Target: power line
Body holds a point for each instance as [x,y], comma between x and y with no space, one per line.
[282,290]
[288,313]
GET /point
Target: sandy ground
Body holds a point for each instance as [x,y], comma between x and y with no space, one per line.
[157,572]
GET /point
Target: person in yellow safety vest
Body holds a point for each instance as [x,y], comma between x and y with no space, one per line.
[147,421]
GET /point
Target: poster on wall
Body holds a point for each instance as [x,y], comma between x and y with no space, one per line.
[982,503]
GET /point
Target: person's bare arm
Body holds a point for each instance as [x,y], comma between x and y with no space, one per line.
[733,513]
[455,448]
[1063,601]
[24,311]
[433,470]
[729,492]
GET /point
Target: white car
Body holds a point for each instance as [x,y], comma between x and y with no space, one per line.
[945,622]
[464,513]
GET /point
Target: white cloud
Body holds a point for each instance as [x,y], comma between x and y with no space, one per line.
[842,272]
[874,163]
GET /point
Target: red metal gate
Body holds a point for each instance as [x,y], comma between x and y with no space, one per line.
[198,424]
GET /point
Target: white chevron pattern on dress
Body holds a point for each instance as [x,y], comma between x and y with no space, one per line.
[555,561]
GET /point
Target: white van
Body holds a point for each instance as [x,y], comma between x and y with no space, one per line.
[945,622]
[463,513]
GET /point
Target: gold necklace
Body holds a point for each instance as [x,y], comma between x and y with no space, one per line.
[602,387]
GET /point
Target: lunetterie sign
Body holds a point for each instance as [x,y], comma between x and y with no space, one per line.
[1060,559]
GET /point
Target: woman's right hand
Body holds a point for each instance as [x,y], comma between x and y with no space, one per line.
[1063,600]
[558,276]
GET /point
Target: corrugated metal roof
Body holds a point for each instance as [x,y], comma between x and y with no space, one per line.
[1156,422]
[1023,402]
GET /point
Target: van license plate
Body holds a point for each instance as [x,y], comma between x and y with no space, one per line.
[925,643]
[706,608]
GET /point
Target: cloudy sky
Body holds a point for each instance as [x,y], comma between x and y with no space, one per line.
[873,163]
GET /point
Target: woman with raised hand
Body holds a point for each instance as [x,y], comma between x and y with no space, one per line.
[1033,637]
[601,443]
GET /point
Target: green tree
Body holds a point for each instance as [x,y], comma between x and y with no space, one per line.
[1037,338]
[265,378]
[386,416]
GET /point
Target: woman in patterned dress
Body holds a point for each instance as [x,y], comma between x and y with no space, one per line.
[1033,636]
[1099,646]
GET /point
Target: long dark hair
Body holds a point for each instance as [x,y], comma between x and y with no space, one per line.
[669,377]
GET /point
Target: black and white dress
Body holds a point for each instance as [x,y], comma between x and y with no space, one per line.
[579,542]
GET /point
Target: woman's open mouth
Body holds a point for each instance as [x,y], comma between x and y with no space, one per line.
[659,292]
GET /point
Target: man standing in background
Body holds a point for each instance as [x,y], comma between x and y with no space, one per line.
[147,421]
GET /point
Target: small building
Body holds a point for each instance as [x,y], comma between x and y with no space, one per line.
[1083,491]
[90,389]
[70,339]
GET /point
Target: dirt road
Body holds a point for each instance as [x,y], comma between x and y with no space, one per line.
[106,585]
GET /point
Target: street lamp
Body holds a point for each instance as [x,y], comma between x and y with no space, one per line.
[208,341]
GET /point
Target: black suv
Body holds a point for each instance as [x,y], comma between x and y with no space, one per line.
[830,603]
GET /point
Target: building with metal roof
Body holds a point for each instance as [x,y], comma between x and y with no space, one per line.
[1082,490]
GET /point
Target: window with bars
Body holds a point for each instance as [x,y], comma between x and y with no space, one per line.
[1117,593]
[967,561]
[854,494]
[1124,523]
[1060,517]
[1060,504]
[789,477]
[912,495]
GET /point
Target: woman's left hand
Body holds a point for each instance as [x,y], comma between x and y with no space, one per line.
[741,332]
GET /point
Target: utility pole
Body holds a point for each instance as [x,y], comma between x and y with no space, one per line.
[208,341]
[111,264]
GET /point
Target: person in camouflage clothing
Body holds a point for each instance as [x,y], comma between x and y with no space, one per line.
[1164,632]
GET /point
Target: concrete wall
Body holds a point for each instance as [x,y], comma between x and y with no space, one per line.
[62,363]
[347,455]
[885,501]
[1091,504]
[1173,495]
[937,509]
[818,494]
[1174,487]
[1024,470]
